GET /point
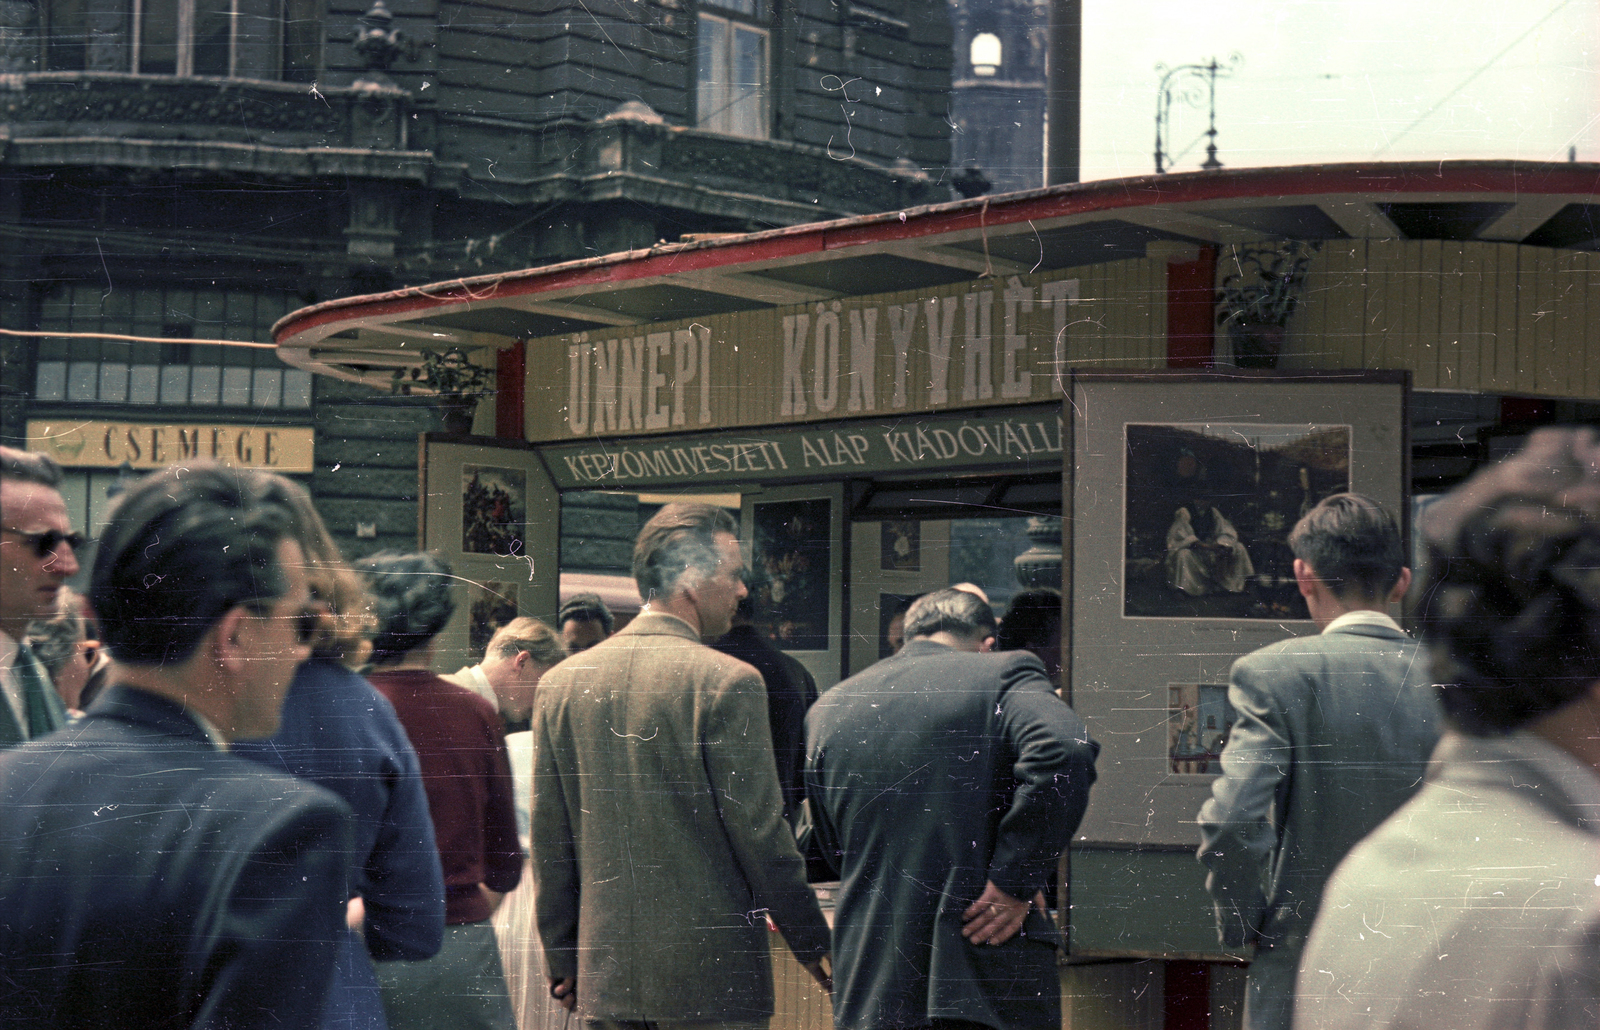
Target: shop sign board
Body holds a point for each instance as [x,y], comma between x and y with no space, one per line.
[142,445]
[1008,439]
[991,342]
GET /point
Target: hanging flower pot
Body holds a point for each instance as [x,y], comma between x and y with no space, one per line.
[1256,344]
[455,383]
[457,414]
[1256,302]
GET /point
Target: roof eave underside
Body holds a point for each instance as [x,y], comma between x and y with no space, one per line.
[365,338]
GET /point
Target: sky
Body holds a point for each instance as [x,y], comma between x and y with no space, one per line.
[1344,80]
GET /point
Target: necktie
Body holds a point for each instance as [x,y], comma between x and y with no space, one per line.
[46,712]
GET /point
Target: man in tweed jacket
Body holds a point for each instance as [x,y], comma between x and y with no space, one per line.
[657,822]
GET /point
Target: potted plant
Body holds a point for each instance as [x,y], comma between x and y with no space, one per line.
[452,379]
[1255,303]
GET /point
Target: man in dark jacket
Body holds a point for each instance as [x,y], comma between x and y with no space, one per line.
[947,782]
[148,878]
[791,691]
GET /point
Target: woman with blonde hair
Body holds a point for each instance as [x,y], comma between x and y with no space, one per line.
[338,731]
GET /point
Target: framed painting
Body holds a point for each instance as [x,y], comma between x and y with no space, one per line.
[795,537]
[489,507]
[1182,490]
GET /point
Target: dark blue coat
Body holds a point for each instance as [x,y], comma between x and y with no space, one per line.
[149,879]
[338,731]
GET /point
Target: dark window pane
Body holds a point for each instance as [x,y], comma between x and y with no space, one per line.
[67,36]
[259,45]
[301,35]
[158,38]
[213,23]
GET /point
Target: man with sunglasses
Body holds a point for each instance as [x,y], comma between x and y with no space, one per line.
[149,877]
[36,557]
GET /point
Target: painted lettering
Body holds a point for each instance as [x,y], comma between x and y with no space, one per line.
[578,386]
[703,334]
[940,332]
[902,323]
[810,452]
[825,368]
[977,355]
[863,359]
[605,387]
[1015,378]
[1013,438]
[656,415]
[792,394]
[631,415]
[685,367]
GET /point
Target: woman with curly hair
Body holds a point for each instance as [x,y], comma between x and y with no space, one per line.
[339,732]
[462,748]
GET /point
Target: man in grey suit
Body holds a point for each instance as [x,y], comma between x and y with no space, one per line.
[657,825]
[1332,734]
[946,782]
[36,558]
[1477,904]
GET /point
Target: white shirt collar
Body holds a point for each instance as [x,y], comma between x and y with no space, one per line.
[1362,617]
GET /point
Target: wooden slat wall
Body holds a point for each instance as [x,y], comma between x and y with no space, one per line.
[1122,318]
[1490,317]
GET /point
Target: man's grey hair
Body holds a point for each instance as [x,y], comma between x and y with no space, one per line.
[679,542]
[28,467]
[960,613]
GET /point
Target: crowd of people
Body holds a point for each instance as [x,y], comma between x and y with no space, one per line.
[236,793]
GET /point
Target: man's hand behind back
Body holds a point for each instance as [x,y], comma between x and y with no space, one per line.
[995,917]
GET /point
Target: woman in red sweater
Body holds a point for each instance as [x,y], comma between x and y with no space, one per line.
[459,741]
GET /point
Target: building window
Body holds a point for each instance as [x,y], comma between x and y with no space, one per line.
[733,76]
[245,39]
[985,53]
[95,371]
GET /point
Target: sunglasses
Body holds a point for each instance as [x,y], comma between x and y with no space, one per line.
[45,544]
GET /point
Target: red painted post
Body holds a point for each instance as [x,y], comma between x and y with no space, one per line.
[511,369]
[1191,307]
[1186,1001]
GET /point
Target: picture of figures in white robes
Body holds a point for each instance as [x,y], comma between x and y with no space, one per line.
[1208,513]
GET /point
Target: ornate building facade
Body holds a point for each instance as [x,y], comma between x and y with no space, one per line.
[191,170]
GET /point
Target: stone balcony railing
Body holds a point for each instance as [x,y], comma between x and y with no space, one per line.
[374,130]
[121,119]
[634,155]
